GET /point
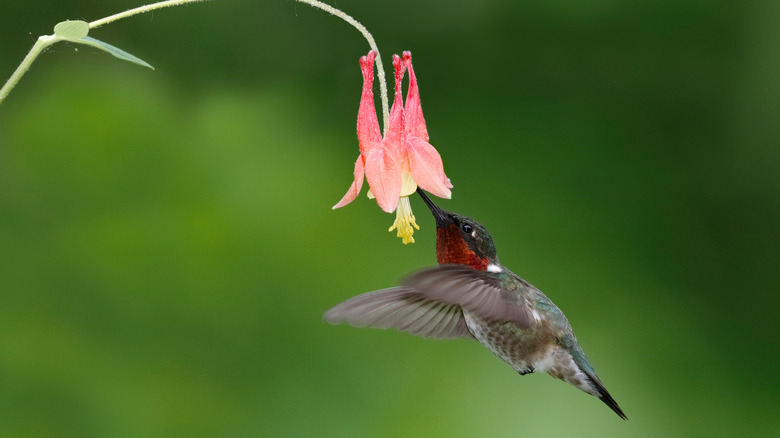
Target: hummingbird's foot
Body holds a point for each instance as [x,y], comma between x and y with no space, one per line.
[527,370]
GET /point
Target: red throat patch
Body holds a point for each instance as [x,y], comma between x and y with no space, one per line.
[451,248]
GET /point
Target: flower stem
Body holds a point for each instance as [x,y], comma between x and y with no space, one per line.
[139,10]
[381,71]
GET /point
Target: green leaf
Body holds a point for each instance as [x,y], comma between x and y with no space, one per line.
[76,31]
[119,53]
[71,30]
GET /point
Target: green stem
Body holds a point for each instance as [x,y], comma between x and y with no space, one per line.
[47,40]
[380,70]
[42,43]
[139,10]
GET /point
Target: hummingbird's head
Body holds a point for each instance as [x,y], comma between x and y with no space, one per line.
[460,239]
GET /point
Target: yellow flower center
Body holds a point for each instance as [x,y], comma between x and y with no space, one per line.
[404,221]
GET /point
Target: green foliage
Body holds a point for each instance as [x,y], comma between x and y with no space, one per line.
[76,32]
[115,51]
[71,29]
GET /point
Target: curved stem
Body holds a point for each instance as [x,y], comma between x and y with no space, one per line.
[381,71]
[139,10]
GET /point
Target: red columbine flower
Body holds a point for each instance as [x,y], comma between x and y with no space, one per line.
[395,165]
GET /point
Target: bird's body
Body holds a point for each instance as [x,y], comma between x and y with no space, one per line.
[547,345]
[471,295]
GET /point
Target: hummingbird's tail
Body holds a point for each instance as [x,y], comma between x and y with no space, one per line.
[596,388]
[604,395]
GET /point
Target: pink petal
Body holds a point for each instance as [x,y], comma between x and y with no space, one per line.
[368,131]
[357,184]
[427,168]
[384,178]
[394,139]
[425,162]
[415,122]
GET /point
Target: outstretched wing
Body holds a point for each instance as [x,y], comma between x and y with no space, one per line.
[402,309]
[430,303]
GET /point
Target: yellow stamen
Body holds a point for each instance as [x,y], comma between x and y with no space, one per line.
[404,221]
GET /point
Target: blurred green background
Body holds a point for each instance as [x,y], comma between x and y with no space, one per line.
[167,246]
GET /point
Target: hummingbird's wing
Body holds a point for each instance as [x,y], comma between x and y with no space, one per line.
[403,309]
[430,303]
[479,292]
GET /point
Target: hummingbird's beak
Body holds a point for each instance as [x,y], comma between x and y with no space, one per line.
[443,220]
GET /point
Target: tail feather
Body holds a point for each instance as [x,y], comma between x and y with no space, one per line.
[604,395]
[578,356]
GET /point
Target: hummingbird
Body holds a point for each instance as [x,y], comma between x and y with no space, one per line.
[471,295]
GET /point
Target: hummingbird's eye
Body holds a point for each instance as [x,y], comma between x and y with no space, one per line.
[466,228]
